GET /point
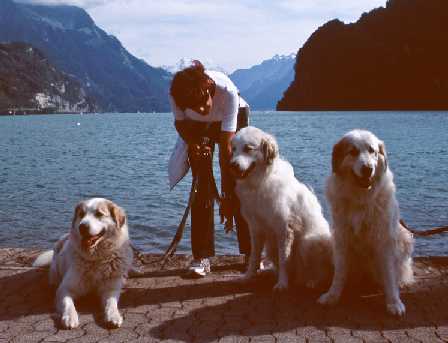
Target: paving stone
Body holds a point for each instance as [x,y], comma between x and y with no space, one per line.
[369,336]
[288,337]
[442,333]
[30,337]
[4,326]
[121,335]
[398,336]
[164,307]
[65,335]
[234,339]
[342,335]
[47,325]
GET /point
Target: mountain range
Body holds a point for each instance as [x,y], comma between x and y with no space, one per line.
[262,85]
[72,42]
[112,78]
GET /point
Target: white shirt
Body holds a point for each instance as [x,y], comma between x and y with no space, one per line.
[226,103]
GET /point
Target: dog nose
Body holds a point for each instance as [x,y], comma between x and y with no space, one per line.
[84,230]
[366,171]
[234,167]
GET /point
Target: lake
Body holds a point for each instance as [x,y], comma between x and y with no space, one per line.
[49,163]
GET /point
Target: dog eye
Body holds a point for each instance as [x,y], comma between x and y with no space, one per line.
[99,214]
[371,150]
[354,152]
[248,148]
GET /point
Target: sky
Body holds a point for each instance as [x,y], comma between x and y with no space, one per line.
[229,34]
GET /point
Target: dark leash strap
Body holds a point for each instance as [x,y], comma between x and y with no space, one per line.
[424,233]
[138,254]
[180,229]
[213,196]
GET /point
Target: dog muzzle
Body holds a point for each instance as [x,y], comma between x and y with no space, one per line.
[89,242]
[238,173]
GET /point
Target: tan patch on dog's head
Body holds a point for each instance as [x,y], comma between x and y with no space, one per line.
[359,157]
[340,149]
[98,223]
[117,213]
[252,149]
[269,147]
[80,210]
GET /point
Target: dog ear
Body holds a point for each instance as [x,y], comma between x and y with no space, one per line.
[338,154]
[79,212]
[382,151]
[269,147]
[117,214]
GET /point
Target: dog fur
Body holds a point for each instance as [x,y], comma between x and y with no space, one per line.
[366,229]
[283,215]
[94,257]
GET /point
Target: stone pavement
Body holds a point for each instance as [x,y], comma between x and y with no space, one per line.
[165,306]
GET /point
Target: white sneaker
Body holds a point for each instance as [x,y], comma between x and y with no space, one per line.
[200,267]
[266,264]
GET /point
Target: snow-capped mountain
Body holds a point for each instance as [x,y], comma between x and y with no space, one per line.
[263,85]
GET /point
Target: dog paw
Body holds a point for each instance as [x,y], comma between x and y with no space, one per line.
[328,299]
[113,319]
[280,286]
[70,320]
[397,308]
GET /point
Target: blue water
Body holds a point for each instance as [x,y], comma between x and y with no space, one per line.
[49,163]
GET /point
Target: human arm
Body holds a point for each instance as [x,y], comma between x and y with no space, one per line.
[227,183]
[182,128]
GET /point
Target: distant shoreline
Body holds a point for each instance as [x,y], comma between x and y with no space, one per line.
[35,112]
[30,113]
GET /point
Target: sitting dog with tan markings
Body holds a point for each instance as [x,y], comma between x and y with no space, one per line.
[95,257]
[368,235]
[284,216]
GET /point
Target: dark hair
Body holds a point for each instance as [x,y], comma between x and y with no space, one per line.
[189,86]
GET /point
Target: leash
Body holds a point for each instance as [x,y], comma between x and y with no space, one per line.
[193,192]
[424,233]
[180,229]
[138,254]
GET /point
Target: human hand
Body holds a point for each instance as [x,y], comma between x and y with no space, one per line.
[198,151]
[226,214]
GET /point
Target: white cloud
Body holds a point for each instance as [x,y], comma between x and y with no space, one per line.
[80,3]
[230,33]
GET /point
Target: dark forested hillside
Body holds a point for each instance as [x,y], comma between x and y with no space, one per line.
[392,58]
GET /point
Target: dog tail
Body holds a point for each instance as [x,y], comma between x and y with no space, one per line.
[44,259]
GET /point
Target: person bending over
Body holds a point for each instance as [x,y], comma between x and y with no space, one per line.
[208,110]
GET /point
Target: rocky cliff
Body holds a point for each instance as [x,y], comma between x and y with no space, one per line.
[392,58]
[68,36]
[30,84]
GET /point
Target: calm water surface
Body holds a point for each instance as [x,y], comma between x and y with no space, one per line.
[49,163]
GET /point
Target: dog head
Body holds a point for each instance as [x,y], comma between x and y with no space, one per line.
[251,149]
[359,157]
[98,222]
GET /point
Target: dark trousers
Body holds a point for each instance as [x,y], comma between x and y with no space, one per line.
[202,209]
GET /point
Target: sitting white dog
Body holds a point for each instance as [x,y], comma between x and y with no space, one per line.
[367,232]
[283,215]
[94,257]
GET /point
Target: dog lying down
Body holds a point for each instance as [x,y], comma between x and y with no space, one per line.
[94,257]
[368,235]
[283,215]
